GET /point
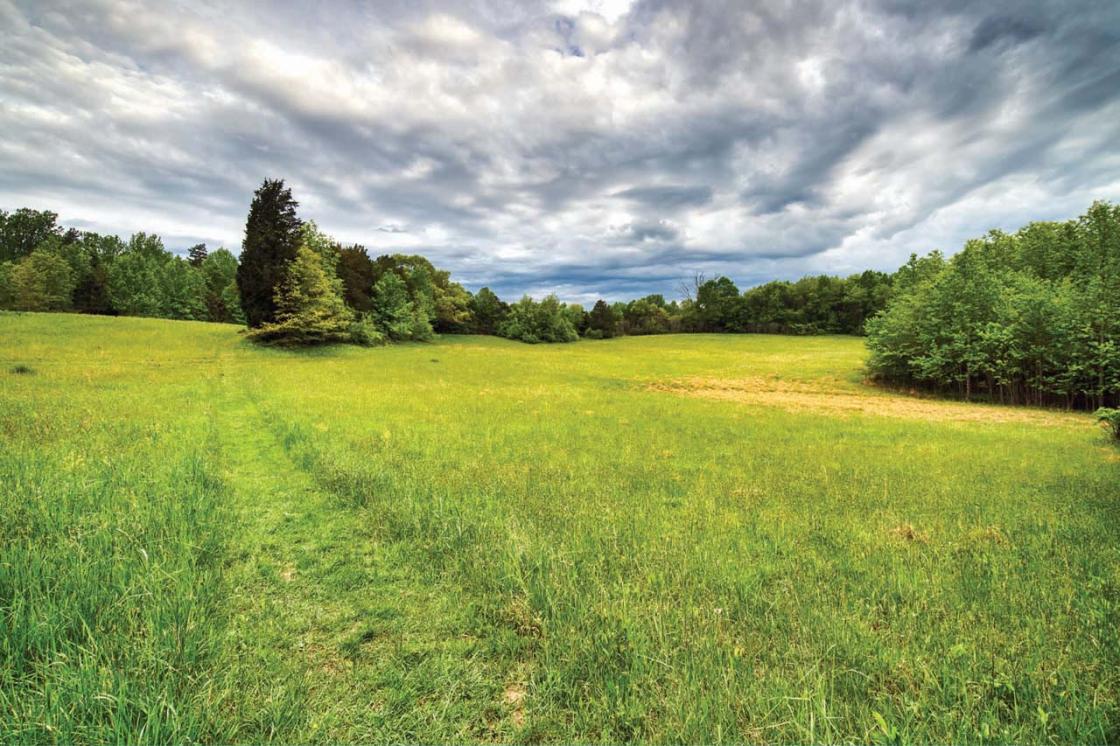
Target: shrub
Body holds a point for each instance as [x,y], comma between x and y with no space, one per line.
[365,332]
[1111,418]
[533,322]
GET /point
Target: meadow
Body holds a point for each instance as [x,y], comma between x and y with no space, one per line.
[716,538]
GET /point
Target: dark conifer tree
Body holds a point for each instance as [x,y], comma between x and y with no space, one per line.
[355,269]
[602,320]
[272,237]
[196,254]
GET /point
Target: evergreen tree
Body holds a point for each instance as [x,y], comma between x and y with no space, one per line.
[355,269]
[602,322]
[196,254]
[92,292]
[309,305]
[272,239]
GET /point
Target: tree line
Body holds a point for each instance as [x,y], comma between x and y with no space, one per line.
[293,284]
[1030,317]
[46,268]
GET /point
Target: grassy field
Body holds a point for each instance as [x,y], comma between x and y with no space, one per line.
[677,538]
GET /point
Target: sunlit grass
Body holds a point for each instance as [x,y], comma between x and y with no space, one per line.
[477,540]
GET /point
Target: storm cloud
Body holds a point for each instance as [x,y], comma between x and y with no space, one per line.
[584,147]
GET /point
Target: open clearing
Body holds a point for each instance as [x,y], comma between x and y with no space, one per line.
[701,538]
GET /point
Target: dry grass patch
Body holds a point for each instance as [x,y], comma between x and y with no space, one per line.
[514,698]
[834,397]
[907,533]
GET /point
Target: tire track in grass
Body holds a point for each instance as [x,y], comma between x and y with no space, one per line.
[338,637]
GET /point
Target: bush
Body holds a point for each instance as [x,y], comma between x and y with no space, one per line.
[533,322]
[365,332]
[1111,418]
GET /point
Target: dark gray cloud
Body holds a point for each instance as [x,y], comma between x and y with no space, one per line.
[586,147]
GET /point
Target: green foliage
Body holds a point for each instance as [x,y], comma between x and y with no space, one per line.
[355,269]
[649,315]
[1111,418]
[197,254]
[577,316]
[544,321]
[182,291]
[487,312]
[22,231]
[7,291]
[1031,317]
[326,247]
[452,305]
[272,238]
[231,304]
[134,283]
[42,281]
[718,307]
[91,294]
[364,331]
[445,303]
[309,306]
[396,313]
[603,321]
[219,268]
[819,304]
[149,246]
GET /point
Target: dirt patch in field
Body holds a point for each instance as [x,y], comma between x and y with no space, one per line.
[514,697]
[832,396]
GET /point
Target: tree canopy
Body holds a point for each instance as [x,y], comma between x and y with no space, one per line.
[1030,317]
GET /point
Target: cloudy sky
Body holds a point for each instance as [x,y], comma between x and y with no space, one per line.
[586,147]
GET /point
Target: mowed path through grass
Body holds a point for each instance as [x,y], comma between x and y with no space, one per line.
[351,643]
[677,538]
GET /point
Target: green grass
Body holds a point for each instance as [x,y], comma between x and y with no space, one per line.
[479,540]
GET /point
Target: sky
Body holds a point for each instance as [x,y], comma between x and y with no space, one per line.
[591,148]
